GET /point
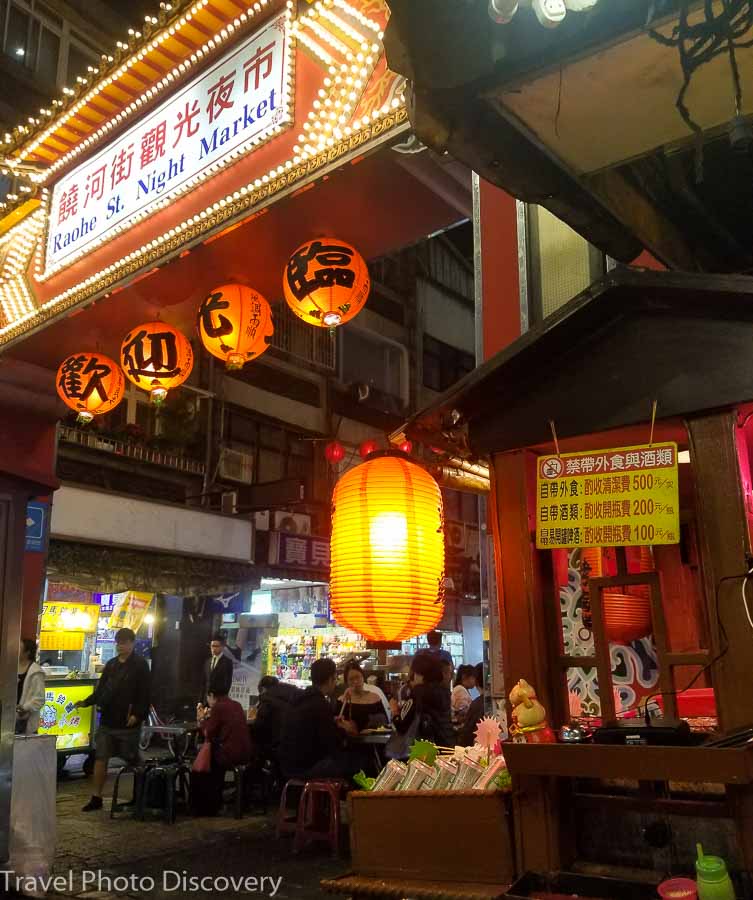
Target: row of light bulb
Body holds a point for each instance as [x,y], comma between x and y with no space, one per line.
[550,13]
[15,297]
[302,154]
[157,41]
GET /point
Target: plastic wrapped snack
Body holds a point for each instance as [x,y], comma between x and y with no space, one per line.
[390,776]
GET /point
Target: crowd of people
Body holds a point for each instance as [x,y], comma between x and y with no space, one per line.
[301,733]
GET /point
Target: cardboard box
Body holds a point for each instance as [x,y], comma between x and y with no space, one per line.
[442,836]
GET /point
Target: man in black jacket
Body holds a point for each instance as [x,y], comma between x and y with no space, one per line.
[218,669]
[313,741]
[122,696]
[275,699]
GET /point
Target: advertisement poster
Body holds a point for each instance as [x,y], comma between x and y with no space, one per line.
[623,497]
[57,716]
[129,610]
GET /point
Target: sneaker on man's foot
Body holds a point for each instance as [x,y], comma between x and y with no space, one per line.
[93,804]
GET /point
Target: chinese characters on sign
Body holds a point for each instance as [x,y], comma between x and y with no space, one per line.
[239,99]
[298,550]
[608,498]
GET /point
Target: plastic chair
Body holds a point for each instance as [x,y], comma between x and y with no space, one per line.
[309,812]
[239,786]
[138,770]
[285,823]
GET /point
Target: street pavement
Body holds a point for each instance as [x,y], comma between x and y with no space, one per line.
[102,858]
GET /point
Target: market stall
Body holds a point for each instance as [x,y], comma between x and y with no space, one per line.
[622,516]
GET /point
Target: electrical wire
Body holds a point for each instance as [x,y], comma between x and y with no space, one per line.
[699,43]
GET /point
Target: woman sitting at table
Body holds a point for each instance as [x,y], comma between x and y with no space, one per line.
[425,713]
[224,726]
[359,704]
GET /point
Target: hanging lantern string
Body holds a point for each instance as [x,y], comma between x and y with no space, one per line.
[653,422]
[554,437]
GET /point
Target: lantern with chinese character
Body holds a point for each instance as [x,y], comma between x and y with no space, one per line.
[387,570]
[156,357]
[91,384]
[235,324]
[326,282]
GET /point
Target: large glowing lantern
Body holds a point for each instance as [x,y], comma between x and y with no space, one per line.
[156,357]
[326,282]
[387,569]
[235,324]
[91,384]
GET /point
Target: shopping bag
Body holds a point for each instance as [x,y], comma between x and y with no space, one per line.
[203,761]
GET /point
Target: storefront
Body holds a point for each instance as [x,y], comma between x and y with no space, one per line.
[622,548]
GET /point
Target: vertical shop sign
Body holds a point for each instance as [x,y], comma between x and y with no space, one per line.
[622,497]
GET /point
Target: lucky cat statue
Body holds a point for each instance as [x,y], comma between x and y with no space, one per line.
[529,724]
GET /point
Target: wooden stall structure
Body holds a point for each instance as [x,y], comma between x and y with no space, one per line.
[633,342]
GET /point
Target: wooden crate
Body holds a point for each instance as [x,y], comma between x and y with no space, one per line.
[442,836]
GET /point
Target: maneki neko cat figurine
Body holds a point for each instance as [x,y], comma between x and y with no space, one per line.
[529,724]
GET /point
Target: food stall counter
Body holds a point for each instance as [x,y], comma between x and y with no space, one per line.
[73,728]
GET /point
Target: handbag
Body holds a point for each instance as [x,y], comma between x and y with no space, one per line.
[203,762]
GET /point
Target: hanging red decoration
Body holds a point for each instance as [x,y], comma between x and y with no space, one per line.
[156,357]
[326,282]
[406,447]
[91,384]
[334,452]
[235,324]
[366,448]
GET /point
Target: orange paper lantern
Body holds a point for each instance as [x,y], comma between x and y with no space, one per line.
[235,324]
[91,384]
[326,282]
[156,357]
[387,570]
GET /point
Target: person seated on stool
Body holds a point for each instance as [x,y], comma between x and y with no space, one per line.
[313,743]
[223,724]
[359,704]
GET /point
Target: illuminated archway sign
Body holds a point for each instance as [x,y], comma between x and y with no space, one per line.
[234,104]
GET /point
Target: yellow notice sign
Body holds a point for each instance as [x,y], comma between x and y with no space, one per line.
[624,497]
[69,616]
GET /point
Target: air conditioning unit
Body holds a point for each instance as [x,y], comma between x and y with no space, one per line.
[293,523]
[455,535]
[261,520]
[235,465]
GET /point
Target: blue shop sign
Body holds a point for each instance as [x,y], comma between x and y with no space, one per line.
[37,526]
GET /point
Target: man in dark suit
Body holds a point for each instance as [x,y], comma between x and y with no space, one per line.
[218,669]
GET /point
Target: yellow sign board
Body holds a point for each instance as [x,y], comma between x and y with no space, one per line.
[129,610]
[69,617]
[623,497]
[71,726]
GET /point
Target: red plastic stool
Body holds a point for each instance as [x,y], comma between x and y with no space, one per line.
[309,812]
[288,824]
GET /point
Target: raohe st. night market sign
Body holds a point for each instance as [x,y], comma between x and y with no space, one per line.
[239,99]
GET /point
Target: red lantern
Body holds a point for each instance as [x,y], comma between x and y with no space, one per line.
[335,452]
[406,447]
[91,384]
[367,448]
